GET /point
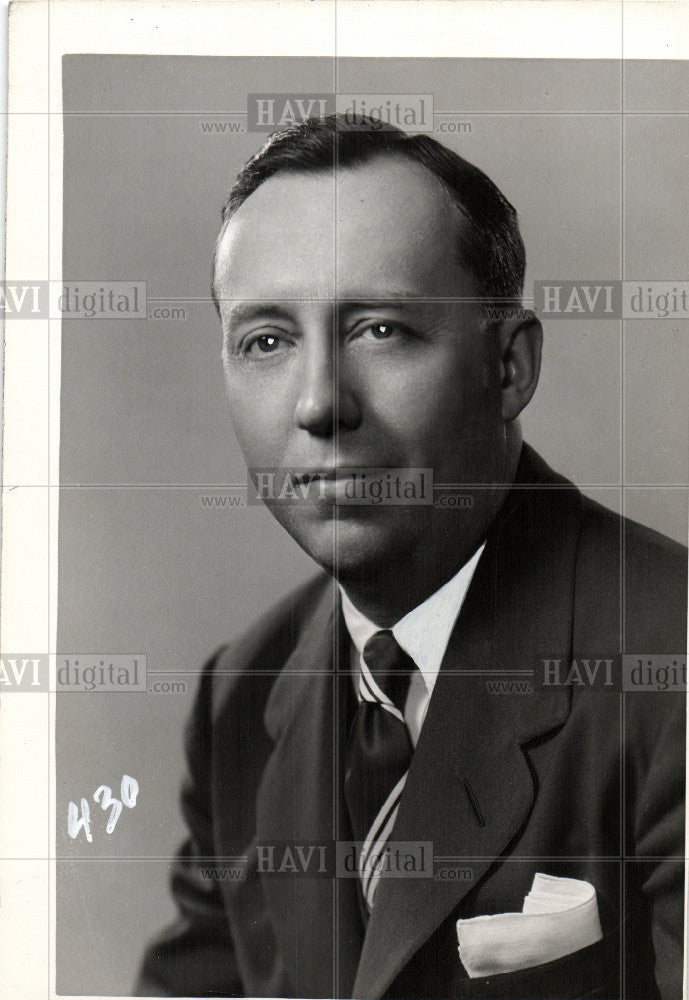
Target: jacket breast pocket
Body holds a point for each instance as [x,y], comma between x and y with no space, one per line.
[591,973]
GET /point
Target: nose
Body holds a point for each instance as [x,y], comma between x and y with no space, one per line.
[326,400]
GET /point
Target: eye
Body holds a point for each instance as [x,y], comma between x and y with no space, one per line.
[382,330]
[264,344]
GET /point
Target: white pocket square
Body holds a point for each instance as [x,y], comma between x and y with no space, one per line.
[559,916]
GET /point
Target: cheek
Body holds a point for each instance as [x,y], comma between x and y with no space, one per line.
[437,398]
[258,422]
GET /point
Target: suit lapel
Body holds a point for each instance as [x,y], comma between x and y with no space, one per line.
[300,802]
[469,789]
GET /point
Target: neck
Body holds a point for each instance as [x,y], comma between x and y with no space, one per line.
[386,598]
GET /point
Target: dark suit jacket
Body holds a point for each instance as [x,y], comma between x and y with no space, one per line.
[579,780]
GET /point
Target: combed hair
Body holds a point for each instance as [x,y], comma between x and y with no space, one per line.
[490,244]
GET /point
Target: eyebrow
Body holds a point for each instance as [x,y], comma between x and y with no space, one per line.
[251,309]
[378,301]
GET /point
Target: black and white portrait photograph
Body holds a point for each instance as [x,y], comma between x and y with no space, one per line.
[345,500]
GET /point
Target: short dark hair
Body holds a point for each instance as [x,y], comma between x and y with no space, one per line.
[491,246]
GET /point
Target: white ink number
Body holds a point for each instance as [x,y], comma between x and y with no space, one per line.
[129,789]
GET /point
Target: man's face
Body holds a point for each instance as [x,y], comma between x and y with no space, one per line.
[347,344]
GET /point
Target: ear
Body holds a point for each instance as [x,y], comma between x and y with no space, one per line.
[521,342]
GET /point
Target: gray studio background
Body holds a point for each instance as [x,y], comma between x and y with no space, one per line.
[144,567]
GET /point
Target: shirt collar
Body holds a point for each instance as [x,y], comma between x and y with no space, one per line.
[425,631]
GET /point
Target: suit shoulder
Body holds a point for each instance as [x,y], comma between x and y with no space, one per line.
[618,556]
[277,630]
[603,525]
[643,548]
[264,646]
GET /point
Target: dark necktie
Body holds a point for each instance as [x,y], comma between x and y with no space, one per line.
[379,753]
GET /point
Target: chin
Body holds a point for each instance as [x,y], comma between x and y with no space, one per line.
[358,541]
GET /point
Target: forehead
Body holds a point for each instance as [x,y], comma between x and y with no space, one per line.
[384,228]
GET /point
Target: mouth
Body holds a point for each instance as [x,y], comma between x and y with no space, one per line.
[328,475]
[323,486]
[315,475]
[346,485]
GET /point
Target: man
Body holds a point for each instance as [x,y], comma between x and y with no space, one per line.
[368,284]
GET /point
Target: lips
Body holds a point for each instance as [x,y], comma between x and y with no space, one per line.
[314,475]
[332,473]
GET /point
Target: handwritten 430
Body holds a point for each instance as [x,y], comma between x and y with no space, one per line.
[129,789]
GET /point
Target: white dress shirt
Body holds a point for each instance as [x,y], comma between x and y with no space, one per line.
[423,633]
